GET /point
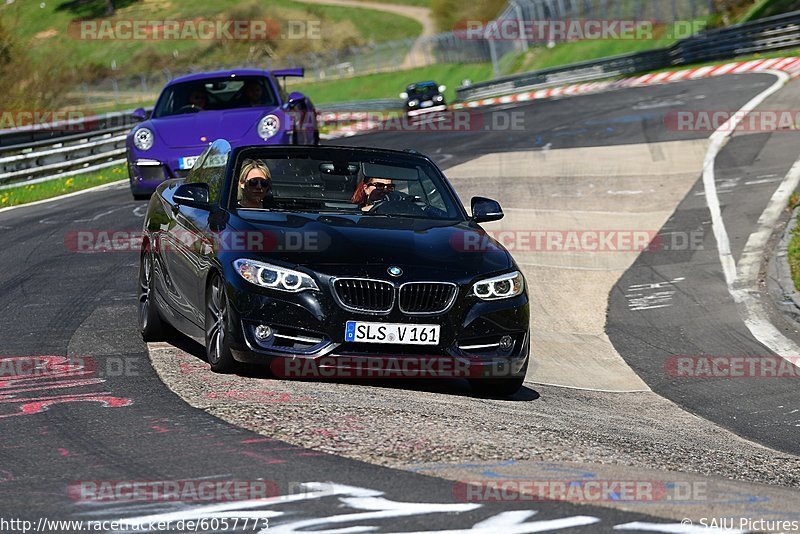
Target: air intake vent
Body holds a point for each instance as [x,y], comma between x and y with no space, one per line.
[417,298]
[363,295]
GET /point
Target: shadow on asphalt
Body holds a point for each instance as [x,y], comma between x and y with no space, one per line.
[447,386]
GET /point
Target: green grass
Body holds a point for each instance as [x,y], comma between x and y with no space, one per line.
[417,3]
[50,34]
[391,84]
[23,194]
[769,8]
[793,256]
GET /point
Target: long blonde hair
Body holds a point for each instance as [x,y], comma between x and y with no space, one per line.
[247,166]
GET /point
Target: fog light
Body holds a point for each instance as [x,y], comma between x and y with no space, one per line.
[506,342]
[263,332]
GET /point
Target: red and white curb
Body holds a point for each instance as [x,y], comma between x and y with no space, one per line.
[790,65]
[366,121]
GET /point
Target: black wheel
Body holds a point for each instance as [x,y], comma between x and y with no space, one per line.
[151,325]
[316,137]
[218,349]
[500,387]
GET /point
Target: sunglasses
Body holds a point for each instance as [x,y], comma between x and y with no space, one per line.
[252,182]
[381,186]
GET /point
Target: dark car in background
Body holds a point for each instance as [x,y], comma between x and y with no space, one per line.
[244,106]
[308,276]
[424,97]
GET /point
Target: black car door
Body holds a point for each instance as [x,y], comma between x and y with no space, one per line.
[190,239]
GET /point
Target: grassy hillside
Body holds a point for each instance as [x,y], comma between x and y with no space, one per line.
[44,30]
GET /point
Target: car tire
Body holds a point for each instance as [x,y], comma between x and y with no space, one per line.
[500,387]
[218,350]
[316,137]
[151,325]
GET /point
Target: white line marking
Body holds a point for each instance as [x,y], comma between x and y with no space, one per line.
[742,283]
[62,197]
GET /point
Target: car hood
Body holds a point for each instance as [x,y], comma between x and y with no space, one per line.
[187,130]
[358,246]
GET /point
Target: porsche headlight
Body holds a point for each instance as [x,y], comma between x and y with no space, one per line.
[438,98]
[143,139]
[268,126]
[413,103]
[274,277]
[500,287]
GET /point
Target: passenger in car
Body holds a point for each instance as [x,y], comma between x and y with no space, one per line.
[370,191]
[254,184]
[198,98]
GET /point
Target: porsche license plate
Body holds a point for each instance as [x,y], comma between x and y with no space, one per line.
[187,162]
[399,334]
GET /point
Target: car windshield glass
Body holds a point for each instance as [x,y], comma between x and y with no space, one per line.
[423,89]
[215,94]
[343,181]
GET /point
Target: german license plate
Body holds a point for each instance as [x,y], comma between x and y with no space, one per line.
[187,162]
[398,334]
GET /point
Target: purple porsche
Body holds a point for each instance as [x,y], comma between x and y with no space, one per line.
[244,106]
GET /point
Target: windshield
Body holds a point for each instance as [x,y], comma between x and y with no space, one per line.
[346,182]
[423,89]
[216,94]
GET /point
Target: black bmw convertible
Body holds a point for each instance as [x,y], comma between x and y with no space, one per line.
[334,259]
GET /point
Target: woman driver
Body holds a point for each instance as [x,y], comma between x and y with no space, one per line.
[371,190]
[254,184]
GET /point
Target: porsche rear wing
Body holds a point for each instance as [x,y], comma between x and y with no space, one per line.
[286,73]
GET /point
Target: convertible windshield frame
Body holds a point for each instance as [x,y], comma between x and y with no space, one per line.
[449,207]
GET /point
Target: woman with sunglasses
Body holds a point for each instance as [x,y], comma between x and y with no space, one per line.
[370,191]
[254,184]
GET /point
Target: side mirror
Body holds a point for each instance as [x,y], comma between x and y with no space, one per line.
[139,114]
[192,195]
[404,96]
[486,210]
[442,88]
[295,98]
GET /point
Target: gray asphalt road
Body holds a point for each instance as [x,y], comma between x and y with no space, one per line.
[113,420]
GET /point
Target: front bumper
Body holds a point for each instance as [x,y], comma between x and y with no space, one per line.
[415,112]
[308,337]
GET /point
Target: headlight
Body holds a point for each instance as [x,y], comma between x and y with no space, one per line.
[438,98]
[501,287]
[274,277]
[143,139]
[268,126]
[413,103]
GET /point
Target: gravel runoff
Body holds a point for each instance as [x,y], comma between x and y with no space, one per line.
[402,424]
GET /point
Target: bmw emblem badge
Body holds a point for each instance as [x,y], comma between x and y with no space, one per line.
[395,271]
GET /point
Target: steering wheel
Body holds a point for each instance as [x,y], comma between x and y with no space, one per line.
[397,203]
[189,107]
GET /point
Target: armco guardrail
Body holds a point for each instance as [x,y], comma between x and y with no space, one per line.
[43,152]
[764,35]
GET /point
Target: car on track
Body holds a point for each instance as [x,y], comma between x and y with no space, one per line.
[424,97]
[310,275]
[244,106]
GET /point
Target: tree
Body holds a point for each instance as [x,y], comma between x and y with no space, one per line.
[109,7]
